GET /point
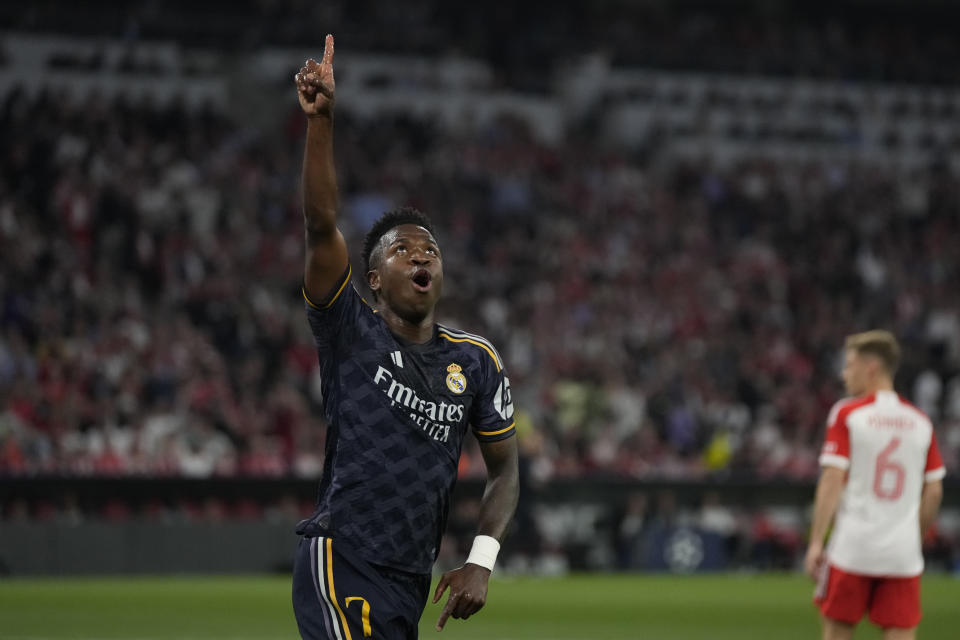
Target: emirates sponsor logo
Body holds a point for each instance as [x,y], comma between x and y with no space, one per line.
[435,418]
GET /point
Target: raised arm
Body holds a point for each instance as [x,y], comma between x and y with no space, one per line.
[326,255]
[468,584]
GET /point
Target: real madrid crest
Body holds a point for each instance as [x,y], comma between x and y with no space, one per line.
[456,381]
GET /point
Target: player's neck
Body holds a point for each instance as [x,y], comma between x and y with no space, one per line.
[880,385]
[417,332]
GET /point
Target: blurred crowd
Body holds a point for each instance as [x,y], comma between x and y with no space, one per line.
[148,314]
[900,42]
[658,318]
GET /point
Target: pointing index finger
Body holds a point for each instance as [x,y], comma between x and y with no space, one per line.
[328,49]
[447,610]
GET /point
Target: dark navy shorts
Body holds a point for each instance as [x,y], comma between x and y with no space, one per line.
[338,595]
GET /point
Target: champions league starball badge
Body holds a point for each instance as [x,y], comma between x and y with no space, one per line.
[456,381]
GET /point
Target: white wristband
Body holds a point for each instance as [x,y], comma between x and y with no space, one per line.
[484,552]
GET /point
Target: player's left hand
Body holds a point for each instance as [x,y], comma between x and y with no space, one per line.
[468,592]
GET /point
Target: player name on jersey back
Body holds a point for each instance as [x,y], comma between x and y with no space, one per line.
[891,422]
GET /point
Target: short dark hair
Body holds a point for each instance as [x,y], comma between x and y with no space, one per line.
[878,343]
[389,220]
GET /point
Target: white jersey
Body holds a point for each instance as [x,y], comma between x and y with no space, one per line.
[889,450]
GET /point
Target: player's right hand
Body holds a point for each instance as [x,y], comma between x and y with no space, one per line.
[315,85]
[814,559]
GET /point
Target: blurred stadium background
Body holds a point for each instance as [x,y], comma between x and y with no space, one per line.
[666,214]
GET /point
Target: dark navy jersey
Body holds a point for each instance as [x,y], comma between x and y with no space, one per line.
[397,415]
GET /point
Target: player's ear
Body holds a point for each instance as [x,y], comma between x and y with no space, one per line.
[373,280]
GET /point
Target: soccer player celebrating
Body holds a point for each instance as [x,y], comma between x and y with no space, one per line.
[882,478]
[399,393]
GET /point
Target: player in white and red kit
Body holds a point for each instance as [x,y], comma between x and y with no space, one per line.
[882,479]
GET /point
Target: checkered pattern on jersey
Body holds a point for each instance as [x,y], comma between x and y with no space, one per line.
[398,413]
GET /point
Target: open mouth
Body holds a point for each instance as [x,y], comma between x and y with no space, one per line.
[422,280]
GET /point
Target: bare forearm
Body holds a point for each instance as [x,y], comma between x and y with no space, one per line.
[320,196]
[929,505]
[499,504]
[829,490]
